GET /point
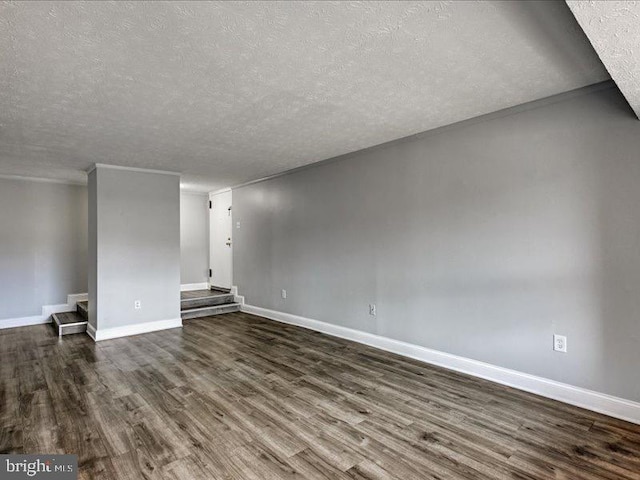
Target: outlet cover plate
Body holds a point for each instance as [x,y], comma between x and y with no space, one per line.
[560,343]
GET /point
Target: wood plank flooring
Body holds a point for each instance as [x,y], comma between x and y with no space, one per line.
[240,397]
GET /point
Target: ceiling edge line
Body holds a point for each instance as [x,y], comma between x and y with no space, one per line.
[505,112]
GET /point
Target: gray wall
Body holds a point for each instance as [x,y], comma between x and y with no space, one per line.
[43,245]
[194,237]
[480,240]
[137,243]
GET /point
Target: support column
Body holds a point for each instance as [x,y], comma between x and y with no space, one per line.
[134,251]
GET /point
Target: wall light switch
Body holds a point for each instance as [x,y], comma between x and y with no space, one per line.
[372,309]
[284,294]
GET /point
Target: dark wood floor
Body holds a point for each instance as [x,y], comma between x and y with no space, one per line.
[240,397]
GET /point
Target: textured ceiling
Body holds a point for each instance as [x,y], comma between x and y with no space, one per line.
[228,92]
[614,30]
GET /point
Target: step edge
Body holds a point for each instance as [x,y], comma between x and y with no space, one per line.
[62,325]
[204,303]
[210,307]
[206,297]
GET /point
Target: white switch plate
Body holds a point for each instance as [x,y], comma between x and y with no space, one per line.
[237,224]
[372,309]
[137,305]
[284,294]
[560,343]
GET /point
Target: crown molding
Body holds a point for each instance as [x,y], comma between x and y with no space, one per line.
[61,181]
[95,166]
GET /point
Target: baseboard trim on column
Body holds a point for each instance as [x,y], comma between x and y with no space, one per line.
[99,335]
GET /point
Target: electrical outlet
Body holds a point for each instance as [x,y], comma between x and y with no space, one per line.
[372,309]
[560,343]
[237,224]
[284,293]
[137,305]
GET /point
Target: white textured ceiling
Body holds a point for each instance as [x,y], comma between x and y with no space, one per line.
[613,27]
[228,92]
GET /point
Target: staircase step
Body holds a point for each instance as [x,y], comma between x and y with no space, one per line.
[68,323]
[209,311]
[83,309]
[193,305]
[206,301]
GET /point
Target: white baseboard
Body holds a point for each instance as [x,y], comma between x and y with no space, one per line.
[47,311]
[23,321]
[189,287]
[237,298]
[91,331]
[77,297]
[580,397]
[129,330]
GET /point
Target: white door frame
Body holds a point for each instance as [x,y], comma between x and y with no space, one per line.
[221,229]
